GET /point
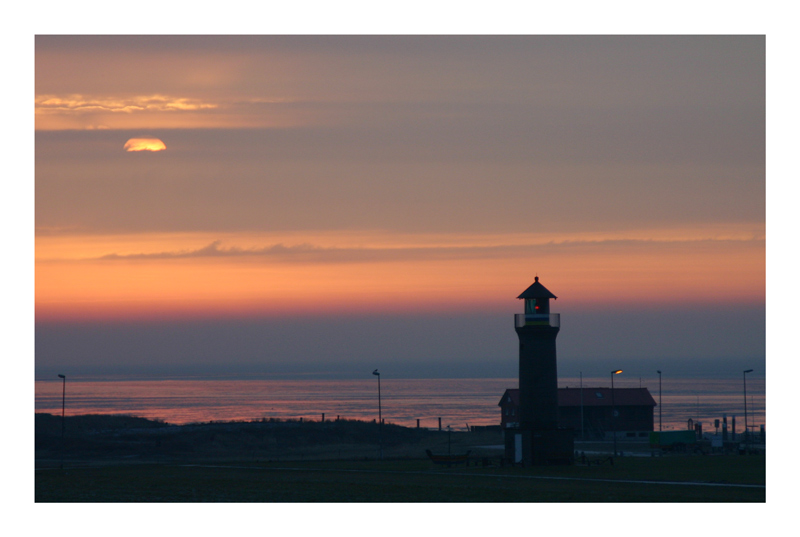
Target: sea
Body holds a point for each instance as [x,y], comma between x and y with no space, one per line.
[458,403]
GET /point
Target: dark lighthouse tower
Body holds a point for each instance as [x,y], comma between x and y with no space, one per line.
[537,438]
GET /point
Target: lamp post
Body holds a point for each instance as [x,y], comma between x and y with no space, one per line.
[380,417]
[744,382]
[63,406]
[582,435]
[659,400]
[614,410]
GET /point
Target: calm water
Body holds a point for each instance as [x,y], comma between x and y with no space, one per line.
[457,401]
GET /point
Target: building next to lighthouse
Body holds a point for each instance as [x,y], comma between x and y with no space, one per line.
[589,411]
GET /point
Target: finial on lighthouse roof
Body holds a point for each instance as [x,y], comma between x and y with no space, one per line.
[537,290]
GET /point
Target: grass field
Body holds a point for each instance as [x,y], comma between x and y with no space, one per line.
[125,459]
[411,481]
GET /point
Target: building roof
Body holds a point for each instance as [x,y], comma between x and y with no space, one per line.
[537,290]
[602,397]
[591,397]
[511,395]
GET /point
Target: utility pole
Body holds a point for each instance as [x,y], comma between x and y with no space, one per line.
[380,417]
[63,406]
[614,410]
[659,400]
[582,435]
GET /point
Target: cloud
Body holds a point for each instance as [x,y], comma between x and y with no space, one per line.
[54,104]
[82,111]
[214,250]
[307,251]
[324,254]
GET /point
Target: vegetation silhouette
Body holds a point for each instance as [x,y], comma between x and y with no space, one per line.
[108,437]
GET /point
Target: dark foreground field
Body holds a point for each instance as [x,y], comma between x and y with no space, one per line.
[401,481]
[337,463]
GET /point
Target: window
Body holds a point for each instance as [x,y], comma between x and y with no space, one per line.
[530,305]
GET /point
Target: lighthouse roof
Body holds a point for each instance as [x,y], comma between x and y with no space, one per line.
[537,290]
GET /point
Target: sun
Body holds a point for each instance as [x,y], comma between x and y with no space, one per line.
[144,144]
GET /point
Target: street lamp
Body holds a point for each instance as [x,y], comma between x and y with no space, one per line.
[582,435]
[659,400]
[614,410]
[744,382]
[63,406]
[380,417]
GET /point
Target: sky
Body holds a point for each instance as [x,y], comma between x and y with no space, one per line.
[324,205]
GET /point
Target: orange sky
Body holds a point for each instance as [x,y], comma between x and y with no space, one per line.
[367,176]
[182,275]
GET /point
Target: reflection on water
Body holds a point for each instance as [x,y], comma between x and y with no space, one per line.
[457,401]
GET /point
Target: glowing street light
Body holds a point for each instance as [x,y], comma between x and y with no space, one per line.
[614,410]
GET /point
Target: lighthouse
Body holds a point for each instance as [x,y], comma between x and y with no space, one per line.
[537,439]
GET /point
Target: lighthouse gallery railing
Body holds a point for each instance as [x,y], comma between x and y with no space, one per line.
[537,319]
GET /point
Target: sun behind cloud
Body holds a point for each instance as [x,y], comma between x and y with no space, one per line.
[144,144]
